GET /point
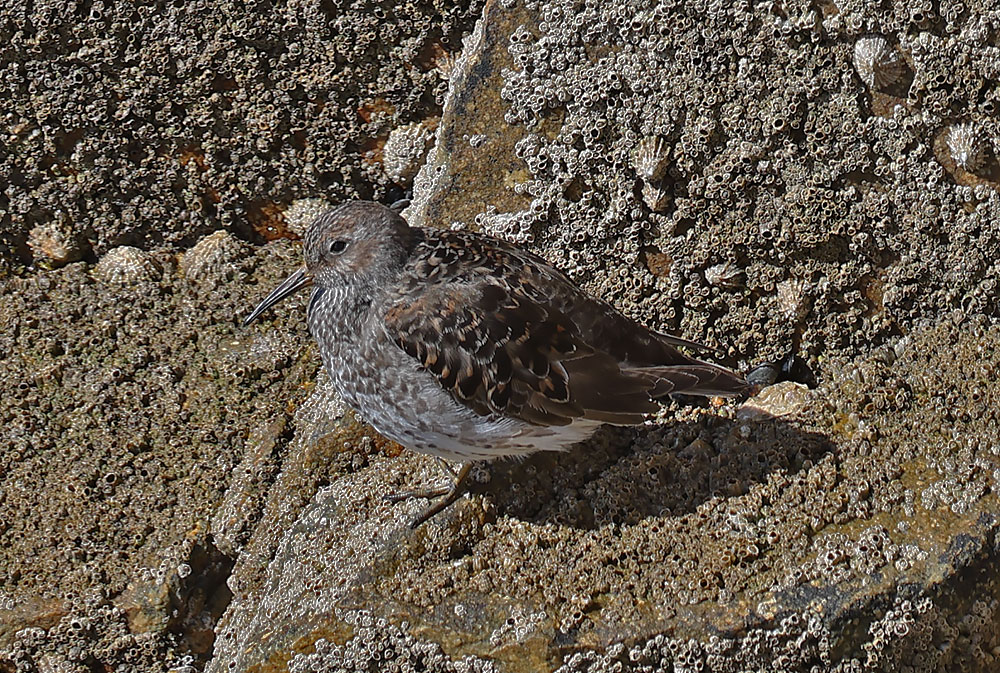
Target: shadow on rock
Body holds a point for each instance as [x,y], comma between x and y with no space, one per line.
[624,475]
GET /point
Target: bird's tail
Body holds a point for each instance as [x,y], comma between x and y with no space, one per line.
[695,378]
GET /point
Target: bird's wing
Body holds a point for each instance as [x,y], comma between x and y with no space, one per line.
[500,353]
[507,334]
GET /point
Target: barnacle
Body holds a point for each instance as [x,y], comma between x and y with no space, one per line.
[967,145]
[406,148]
[210,256]
[650,158]
[55,243]
[126,265]
[656,196]
[878,63]
[726,275]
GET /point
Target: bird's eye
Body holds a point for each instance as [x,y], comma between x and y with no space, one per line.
[338,246]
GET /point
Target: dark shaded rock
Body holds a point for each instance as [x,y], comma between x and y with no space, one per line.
[220,116]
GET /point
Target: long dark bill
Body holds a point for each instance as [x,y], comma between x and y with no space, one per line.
[289,286]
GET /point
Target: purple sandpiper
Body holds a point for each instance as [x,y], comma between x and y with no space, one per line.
[467,348]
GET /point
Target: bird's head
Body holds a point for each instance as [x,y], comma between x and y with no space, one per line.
[355,247]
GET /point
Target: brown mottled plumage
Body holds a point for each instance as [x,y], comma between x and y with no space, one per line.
[468,348]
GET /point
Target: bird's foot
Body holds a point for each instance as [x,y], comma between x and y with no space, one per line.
[424,493]
[448,495]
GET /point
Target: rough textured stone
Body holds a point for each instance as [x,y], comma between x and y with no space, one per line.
[839,533]
[794,205]
[473,166]
[160,123]
[756,542]
[126,405]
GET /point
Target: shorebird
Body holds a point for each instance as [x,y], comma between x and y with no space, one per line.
[467,348]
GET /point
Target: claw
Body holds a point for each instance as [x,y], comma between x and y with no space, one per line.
[448,495]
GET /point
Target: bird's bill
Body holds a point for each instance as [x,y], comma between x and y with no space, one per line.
[289,286]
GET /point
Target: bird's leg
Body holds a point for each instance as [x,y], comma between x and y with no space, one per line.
[449,497]
[448,494]
[446,467]
[426,493]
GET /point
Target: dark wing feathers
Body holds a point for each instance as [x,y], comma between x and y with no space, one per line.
[507,334]
[700,378]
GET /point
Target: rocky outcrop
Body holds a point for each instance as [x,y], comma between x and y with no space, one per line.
[775,180]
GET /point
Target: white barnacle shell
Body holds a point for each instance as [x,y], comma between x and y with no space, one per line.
[126,265]
[794,298]
[655,196]
[302,212]
[650,158]
[726,274]
[406,148]
[878,63]
[55,243]
[966,145]
[210,256]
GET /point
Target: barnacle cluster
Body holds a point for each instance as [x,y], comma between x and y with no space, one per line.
[706,509]
[55,243]
[376,639]
[212,257]
[123,417]
[95,631]
[514,227]
[785,192]
[405,150]
[200,126]
[774,166]
[302,212]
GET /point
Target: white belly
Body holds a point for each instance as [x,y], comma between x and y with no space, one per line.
[411,408]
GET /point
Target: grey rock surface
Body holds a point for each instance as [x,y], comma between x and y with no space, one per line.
[798,533]
[157,124]
[126,404]
[818,179]
[144,150]
[841,536]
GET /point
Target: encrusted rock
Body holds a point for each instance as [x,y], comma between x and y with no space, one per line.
[56,244]
[406,148]
[301,213]
[698,542]
[177,150]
